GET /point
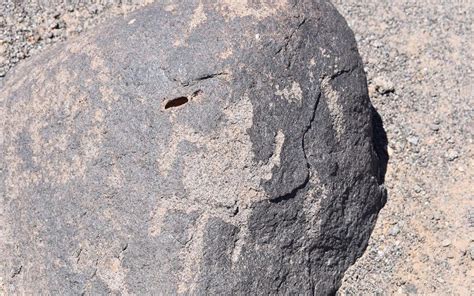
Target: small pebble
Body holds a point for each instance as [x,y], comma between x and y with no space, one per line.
[452,155]
[3,49]
[410,288]
[446,243]
[394,230]
[54,24]
[383,85]
[377,44]
[413,140]
[434,127]
[418,189]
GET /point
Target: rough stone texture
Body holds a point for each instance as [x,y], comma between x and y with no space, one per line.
[267,180]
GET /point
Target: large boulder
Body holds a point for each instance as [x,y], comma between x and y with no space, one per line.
[193,147]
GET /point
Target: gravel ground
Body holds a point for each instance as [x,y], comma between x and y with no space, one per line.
[418,59]
[419,64]
[29,26]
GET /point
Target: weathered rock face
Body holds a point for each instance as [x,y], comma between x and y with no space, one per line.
[193,148]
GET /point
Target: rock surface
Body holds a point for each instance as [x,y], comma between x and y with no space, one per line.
[192,149]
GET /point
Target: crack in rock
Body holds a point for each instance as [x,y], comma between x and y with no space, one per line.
[295,191]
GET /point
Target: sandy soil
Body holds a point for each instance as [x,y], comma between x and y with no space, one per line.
[423,242]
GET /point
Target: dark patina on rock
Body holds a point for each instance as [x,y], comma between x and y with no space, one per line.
[193,147]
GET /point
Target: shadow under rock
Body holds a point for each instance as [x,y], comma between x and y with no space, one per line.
[380,144]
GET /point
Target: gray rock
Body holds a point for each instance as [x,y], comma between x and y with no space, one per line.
[201,149]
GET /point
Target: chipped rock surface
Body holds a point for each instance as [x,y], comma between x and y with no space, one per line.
[199,148]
